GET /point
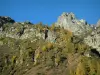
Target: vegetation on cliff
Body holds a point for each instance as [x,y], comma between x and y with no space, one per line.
[37,49]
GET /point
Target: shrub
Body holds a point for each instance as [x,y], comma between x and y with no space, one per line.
[80,70]
[49,45]
[53,27]
[93,67]
[44,48]
[57,60]
[39,25]
[36,58]
[13,59]
[98,67]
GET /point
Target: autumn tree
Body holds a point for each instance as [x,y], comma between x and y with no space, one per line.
[80,70]
[98,68]
[93,66]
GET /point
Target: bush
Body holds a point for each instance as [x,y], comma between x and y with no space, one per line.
[57,60]
[80,70]
[44,48]
[36,58]
[53,27]
[93,67]
[13,59]
[98,67]
[49,45]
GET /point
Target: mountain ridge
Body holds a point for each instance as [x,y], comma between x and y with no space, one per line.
[67,47]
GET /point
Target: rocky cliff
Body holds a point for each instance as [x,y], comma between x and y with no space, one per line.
[60,49]
[70,22]
[93,39]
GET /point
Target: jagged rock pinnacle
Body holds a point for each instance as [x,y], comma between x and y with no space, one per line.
[70,22]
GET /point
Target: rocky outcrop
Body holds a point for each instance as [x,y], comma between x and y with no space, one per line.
[98,23]
[18,31]
[51,36]
[4,20]
[93,39]
[27,49]
[70,22]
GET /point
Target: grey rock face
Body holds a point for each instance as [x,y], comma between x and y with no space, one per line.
[70,22]
[93,40]
[51,36]
[4,19]
[98,23]
[20,31]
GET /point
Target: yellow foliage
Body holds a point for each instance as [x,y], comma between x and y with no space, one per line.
[71,72]
[37,55]
[52,27]
[93,67]
[57,60]
[44,48]
[98,68]
[80,70]
[49,45]
[13,58]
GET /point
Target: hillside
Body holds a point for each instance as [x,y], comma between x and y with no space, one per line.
[64,48]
